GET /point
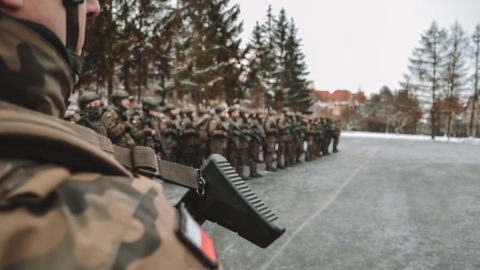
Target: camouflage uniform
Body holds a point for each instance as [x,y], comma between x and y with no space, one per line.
[218,130]
[258,139]
[284,150]
[336,135]
[310,136]
[328,133]
[202,123]
[235,147]
[320,137]
[136,117]
[245,153]
[116,119]
[148,123]
[74,207]
[271,131]
[191,140]
[294,145]
[302,134]
[170,134]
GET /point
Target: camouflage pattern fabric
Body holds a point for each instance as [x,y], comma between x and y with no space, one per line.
[53,216]
[218,130]
[118,131]
[85,221]
[24,54]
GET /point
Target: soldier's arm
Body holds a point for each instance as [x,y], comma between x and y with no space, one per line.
[214,131]
[166,127]
[114,127]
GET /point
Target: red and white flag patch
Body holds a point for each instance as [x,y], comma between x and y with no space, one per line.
[196,239]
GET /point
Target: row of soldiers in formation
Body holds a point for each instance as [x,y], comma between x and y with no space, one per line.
[188,138]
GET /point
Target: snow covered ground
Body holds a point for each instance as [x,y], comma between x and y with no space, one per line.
[361,134]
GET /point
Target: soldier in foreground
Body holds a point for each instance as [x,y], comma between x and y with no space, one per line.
[76,207]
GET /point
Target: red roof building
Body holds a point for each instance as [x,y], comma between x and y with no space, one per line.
[337,103]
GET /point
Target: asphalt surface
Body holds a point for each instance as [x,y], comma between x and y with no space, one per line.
[378,204]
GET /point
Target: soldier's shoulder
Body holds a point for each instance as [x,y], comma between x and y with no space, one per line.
[108,113]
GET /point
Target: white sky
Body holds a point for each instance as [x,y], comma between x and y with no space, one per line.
[352,44]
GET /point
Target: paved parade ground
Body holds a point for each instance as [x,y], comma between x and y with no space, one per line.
[378,204]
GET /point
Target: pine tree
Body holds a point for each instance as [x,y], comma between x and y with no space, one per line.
[99,64]
[280,86]
[122,44]
[209,67]
[255,81]
[295,73]
[455,70]
[269,63]
[427,65]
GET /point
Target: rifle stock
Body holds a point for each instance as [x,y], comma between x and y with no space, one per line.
[229,202]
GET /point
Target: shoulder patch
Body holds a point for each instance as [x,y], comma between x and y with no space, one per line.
[195,239]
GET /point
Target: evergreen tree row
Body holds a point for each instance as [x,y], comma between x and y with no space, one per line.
[190,52]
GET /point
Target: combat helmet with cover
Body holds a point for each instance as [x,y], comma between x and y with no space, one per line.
[86,98]
[150,103]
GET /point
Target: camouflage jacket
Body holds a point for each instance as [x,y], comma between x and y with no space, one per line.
[171,132]
[120,132]
[65,202]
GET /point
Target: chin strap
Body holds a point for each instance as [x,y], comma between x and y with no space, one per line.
[73,30]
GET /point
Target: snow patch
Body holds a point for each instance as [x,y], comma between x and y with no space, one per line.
[360,134]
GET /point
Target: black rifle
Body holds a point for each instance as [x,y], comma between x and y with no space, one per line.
[228,201]
[216,193]
[84,121]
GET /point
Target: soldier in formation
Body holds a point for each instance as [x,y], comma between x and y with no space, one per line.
[90,113]
[190,140]
[244,138]
[116,119]
[218,130]
[171,133]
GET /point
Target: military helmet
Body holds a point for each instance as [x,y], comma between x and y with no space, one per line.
[285,109]
[219,109]
[244,111]
[120,94]
[169,107]
[86,98]
[186,110]
[149,103]
[202,112]
[273,112]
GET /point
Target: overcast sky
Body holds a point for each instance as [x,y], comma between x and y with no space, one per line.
[352,44]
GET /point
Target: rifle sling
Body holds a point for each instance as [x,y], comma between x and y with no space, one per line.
[143,160]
